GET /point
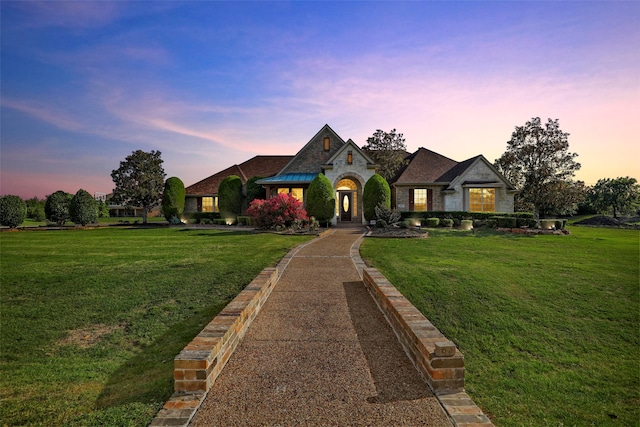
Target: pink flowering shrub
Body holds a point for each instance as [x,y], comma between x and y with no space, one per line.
[281,211]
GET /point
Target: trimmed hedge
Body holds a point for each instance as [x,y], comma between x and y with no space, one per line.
[446,222]
[431,222]
[199,217]
[321,200]
[230,196]
[376,192]
[173,198]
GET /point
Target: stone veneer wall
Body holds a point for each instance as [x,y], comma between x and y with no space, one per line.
[201,361]
[437,358]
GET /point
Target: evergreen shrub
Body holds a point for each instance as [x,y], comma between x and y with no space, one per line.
[173,198]
[432,222]
[56,207]
[230,197]
[13,211]
[321,201]
[446,222]
[83,208]
[376,192]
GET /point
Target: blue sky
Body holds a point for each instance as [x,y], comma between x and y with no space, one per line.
[211,84]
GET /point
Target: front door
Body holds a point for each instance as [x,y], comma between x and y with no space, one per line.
[345,205]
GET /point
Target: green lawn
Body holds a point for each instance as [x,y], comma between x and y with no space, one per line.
[549,325]
[92,319]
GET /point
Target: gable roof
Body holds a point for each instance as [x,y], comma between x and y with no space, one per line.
[351,145]
[264,166]
[455,174]
[312,156]
[425,166]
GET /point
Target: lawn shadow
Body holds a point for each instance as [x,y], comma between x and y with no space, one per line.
[394,376]
[147,377]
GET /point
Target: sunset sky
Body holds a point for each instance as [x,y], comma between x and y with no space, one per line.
[211,84]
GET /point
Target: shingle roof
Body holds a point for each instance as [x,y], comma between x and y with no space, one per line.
[264,166]
[425,166]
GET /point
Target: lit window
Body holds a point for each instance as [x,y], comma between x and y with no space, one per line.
[327,143]
[420,199]
[349,157]
[207,204]
[298,193]
[482,199]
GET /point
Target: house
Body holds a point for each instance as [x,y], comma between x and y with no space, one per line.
[428,182]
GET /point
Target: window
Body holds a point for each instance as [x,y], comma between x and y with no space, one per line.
[349,157]
[207,204]
[482,199]
[327,143]
[420,199]
[298,193]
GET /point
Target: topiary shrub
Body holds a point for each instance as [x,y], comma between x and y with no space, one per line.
[321,201]
[13,211]
[376,192]
[56,207]
[230,197]
[83,208]
[447,222]
[432,222]
[173,198]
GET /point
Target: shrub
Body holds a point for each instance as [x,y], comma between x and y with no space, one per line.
[35,209]
[506,221]
[321,202]
[244,220]
[532,223]
[173,198]
[432,222]
[389,216]
[83,208]
[56,207]
[13,211]
[466,224]
[447,222]
[492,223]
[381,223]
[255,191]
[560,224]
[230,197]
[376,192]
[521,222]
[281,211]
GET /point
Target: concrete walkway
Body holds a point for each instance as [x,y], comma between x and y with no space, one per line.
[320,353]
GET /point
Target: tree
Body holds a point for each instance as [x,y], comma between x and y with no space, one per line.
[255,191]
[230,196]
[388,150]
[103,209]
[321,200]
[618,195]
[35,209]
[173,198]
[56,207]
[83,208]
[376,193]
[13,211]
[139,181]
[538,163]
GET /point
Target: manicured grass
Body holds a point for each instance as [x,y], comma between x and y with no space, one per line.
[92,319]
[549,325]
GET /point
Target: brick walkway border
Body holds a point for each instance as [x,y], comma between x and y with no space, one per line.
[437,359]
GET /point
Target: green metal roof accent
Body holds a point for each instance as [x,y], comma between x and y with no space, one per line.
[288,178]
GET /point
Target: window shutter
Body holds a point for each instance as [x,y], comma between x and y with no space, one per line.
[429,199]
[411,199]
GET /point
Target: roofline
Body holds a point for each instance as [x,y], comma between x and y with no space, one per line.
[326,126]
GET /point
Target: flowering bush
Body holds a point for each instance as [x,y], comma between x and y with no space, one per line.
[282,211]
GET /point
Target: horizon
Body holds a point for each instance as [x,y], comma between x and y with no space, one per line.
[210,85]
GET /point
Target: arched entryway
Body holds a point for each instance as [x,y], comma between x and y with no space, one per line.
[347,200]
